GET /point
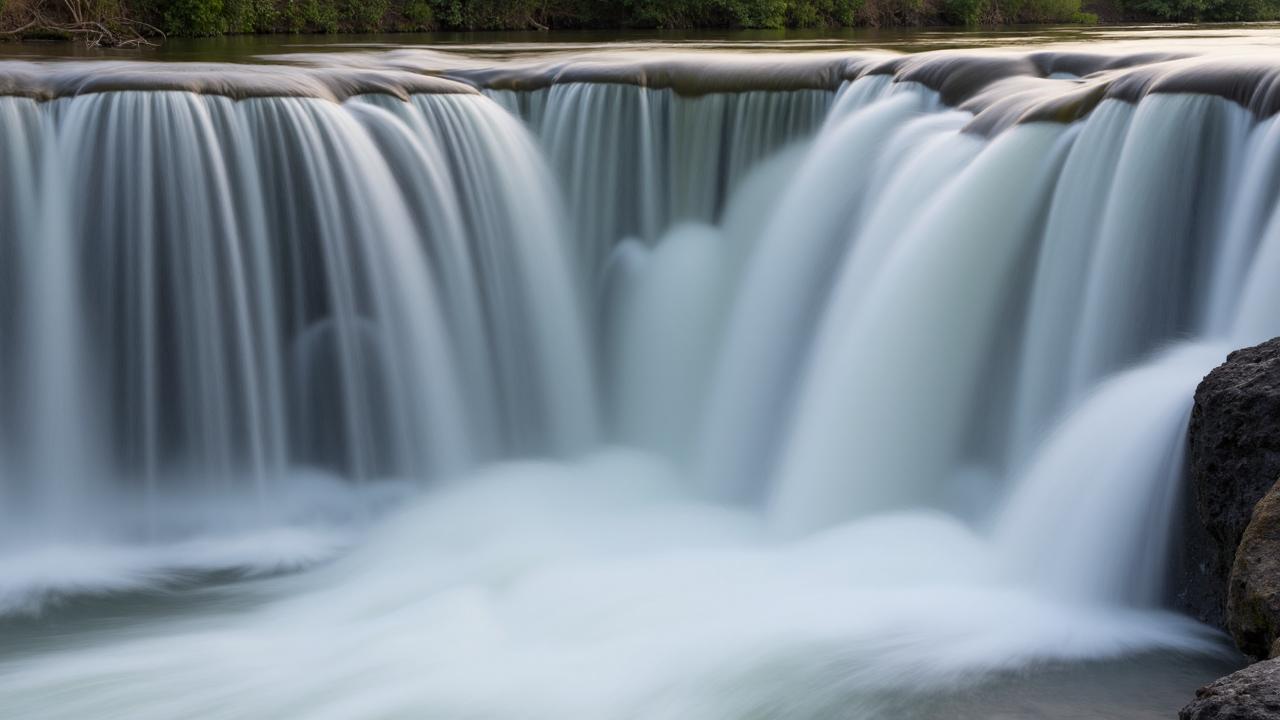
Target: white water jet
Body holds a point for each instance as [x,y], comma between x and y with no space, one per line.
[943,289]
[1149,273]
[1066,249]
[1089,519]
[782,289]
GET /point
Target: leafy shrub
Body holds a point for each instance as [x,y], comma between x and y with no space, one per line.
[664,13]
[888,13]
[758,13]
[486,14]
[1049,11]
[1240,10]
[250,16]
[1211,10]
[363,15]
[962,12]
[707,13]
[195,18]
[823,13]
[310,16]
[1000,12]
[1165,9]
[415,15]
[997,12]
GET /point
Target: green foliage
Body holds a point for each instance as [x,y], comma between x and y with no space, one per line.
[711,13]
[758,13]
[1202,10]
[485,14]
[1166,9]
[1241,10]
[962,12]
[250,16]
[310,16]
[823,13]
[1048,11]
[885,13]
[363,15]
[415,15]
[1206,10]
[195,18]
[997,12]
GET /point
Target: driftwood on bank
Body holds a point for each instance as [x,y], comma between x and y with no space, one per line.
[76,19]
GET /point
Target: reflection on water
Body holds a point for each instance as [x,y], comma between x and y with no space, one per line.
[247,48]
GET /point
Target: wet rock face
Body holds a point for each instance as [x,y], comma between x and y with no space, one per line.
[1250,694]
[1234,459]
[1253,596]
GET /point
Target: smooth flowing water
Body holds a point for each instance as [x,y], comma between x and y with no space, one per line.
[663,382]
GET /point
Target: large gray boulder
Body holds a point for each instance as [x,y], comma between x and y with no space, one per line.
[1249,694]
[1234,459]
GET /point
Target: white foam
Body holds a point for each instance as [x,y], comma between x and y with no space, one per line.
[308,521]
[597,590]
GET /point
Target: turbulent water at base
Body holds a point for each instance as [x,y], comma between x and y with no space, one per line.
[586,397]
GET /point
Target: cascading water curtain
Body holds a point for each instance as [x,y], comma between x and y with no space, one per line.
[205,295]
[388,289]
[634,160]
[921,307]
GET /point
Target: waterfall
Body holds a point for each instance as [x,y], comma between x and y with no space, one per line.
[209,294]
[783,288]
[636,160]
[872,371]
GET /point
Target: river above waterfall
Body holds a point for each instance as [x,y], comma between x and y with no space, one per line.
[717,376]
[252,48]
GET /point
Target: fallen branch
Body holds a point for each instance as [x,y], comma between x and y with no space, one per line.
[117,32]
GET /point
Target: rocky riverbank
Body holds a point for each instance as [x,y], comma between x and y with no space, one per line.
[1250,694]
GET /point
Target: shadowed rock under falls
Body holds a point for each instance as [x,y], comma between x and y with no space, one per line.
[748,386]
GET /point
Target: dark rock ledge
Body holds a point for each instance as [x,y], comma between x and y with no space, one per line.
[1233,460]
[1230,573]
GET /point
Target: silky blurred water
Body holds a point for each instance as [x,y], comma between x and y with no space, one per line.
[651,383]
